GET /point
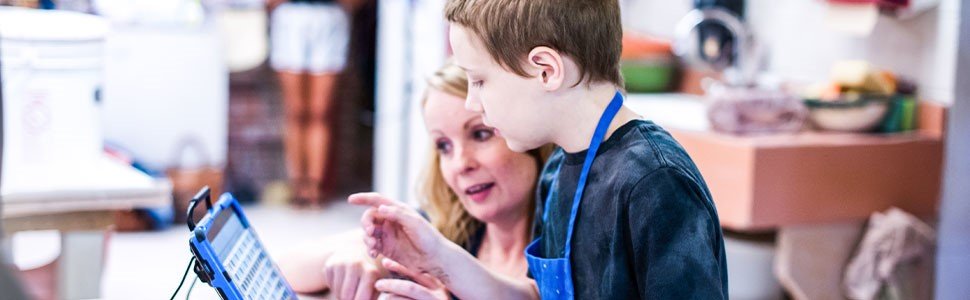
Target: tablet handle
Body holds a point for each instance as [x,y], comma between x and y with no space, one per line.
[202,194]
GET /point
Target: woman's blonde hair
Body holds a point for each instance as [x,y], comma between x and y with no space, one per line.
[440,202]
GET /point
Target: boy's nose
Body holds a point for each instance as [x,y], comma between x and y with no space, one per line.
[472,104]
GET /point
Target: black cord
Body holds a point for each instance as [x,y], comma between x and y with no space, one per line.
[181,282]
[189,292]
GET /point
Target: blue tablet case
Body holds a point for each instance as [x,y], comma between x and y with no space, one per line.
[229,255]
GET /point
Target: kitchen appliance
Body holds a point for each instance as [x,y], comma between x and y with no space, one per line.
[713,36]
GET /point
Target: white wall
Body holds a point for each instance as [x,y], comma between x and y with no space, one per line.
[389,137]
[411,46]
[953,256]
[802,48]
[164,85]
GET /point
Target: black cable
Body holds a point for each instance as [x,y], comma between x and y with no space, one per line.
[181,282]
[189,292]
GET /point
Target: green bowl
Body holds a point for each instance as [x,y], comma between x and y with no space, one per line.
[648,76]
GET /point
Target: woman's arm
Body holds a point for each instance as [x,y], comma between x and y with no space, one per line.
[303,266]
[338,262]
[469,279]
[397,232]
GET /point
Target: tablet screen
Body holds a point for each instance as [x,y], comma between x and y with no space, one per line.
[225,228]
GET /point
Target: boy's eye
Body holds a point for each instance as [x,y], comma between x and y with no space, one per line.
[482,134]
[442,146]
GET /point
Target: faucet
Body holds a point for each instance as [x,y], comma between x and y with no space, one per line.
[745,51]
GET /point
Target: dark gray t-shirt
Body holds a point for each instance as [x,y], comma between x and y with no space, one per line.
[646,227]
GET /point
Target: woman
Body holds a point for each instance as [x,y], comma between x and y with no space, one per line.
[478,195]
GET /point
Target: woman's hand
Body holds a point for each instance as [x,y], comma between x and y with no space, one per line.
[351,274]
[433,262]
[397,232]
[419,287]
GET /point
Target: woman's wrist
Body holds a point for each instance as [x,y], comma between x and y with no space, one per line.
[447,260]
[465,277]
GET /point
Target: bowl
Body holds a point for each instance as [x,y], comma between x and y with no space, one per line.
[861,115]
[649,75]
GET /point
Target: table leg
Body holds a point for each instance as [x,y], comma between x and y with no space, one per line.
[81,262]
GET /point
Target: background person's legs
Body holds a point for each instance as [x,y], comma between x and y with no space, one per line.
[308,39]
[319,132]
[327,57]
[294,105]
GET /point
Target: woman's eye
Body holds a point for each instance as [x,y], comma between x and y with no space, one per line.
[477,84]
[443,147]
[482,134]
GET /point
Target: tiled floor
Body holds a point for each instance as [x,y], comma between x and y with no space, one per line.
[149,265]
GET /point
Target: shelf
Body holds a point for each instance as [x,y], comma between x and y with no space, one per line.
[766,182]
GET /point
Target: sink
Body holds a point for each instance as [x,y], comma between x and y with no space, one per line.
[672,111]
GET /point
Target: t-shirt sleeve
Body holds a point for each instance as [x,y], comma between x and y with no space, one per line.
[675,238]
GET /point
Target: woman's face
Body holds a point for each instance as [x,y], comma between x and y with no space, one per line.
[491,181]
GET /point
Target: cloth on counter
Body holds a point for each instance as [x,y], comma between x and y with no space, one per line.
[893,240]
[742,110]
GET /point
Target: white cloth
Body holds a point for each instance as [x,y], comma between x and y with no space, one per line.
[309,38]
[893,239]
[753,111]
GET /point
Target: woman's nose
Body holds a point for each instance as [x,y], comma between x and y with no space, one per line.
[466,160]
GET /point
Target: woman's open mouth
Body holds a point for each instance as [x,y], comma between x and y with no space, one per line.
[479,192]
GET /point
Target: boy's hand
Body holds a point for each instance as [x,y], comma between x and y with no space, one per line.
[351,274]
[420,287]
[397,232]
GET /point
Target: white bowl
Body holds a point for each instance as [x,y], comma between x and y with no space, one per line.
[857,116]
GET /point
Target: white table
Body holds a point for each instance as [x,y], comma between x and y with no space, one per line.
[81,214]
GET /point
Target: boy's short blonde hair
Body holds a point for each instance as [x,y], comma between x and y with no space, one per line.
[588,31]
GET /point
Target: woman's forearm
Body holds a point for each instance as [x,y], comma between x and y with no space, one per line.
[303,268]
[465,277]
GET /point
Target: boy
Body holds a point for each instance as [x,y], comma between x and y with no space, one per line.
[622,211]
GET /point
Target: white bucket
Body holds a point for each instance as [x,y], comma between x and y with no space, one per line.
[750,268]
[52,73]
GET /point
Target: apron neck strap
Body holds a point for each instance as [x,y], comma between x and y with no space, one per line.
[594,144]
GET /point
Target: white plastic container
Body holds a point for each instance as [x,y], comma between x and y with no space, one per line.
[751,268]
[52,65]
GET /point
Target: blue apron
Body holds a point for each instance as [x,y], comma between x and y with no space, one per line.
[554,275]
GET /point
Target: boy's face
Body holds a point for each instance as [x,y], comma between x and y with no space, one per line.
[508,102]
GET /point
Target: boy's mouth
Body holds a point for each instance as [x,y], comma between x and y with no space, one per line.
[479,192]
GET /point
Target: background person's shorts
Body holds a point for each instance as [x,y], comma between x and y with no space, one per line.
[309,38]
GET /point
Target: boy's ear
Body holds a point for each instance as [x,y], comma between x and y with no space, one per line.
[547,65]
